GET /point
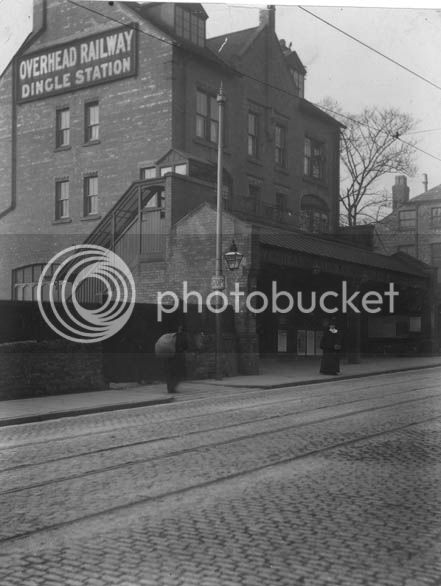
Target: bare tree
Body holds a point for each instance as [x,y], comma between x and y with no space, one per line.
[371,146]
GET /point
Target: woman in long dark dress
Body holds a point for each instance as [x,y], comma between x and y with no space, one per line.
[331,345]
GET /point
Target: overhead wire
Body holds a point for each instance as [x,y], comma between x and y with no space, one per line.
[266,84]
[359,41]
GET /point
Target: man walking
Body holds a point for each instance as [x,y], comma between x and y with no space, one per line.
[175,365]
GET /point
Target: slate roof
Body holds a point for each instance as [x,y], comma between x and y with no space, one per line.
[142,10]
[316,246]
[431,194]
[235,44]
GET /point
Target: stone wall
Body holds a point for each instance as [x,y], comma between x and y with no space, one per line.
[32,369]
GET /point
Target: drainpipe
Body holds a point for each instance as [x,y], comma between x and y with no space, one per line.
[13,203]
[38,27]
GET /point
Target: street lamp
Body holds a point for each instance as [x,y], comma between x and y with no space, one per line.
[233,258]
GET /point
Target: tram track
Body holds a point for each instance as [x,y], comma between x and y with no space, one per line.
[209,483]
[244,394]
[208,445]
[156,439]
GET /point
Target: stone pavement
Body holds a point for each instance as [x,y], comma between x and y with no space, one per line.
[274,374]
[337,484]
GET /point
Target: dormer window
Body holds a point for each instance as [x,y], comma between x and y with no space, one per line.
[190,25]
[299,82]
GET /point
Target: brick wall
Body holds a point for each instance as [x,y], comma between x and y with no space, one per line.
[389,236]
[191,258]
[135,127]
[31,369]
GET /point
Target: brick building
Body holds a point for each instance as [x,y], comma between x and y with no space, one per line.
[414,228]
[109,128]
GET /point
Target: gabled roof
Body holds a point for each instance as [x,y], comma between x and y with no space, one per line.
[310,108]
[430,195]
[173,155]
[142,10]
[235,44]
[212,207]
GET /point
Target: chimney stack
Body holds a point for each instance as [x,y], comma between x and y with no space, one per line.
[425,182]
[400,191]
[39,16]
[267,17]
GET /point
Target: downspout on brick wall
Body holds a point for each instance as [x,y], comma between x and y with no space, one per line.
[267,21]
[13,203]
[38,26]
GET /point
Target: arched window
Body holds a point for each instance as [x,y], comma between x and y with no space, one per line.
[314,214]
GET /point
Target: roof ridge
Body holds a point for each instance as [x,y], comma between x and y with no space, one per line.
[229,34]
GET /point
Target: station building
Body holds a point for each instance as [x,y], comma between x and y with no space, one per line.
[109,130]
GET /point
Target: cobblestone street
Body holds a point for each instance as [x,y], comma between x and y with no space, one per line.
[328,484]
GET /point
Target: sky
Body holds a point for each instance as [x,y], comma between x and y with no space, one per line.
[337,66]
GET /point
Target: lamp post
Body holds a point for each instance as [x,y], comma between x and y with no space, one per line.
[233,258]
[218,281]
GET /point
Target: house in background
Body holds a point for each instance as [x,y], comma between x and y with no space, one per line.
[414,229]
[109,125]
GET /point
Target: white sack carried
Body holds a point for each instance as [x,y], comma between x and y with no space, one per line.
[166,345]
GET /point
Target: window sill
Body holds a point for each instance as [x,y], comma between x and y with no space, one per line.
[254,161]
[206,143]
[91,217]
[281,170]
[62,148]
[91,143]
[62,221]
[313,181]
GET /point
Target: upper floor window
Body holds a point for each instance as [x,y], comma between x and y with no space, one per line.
[90,195]
[281,205]
[226,196]
[435,217]
[252,202]
[435,253]
[314,215]
[62,128]
[314,158]
[165,170]
[407,219]
[190,25]
[148,172]
[252,134]
[180,168]
[280,145]
[281,201]
[314,220]
[207,116]
[61,199]
[299,82]
[92,122]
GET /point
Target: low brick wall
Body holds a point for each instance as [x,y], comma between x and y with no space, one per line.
[32,369]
